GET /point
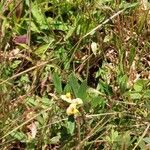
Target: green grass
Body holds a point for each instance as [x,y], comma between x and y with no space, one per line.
[98,51]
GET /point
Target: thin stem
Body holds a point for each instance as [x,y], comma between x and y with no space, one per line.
[30,18]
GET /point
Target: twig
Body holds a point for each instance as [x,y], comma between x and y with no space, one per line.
[103,23]
[144,133]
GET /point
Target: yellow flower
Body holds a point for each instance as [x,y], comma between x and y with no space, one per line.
[66,97]
[72,110]
[74,104]
[77,101]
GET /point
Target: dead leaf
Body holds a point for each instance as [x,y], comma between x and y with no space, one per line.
[33,130]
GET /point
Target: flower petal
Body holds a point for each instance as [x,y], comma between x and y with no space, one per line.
[65,98]
[77,101]
[72,110]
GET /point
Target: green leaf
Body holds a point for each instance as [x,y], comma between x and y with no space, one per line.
[25,79]
[146,94]
[19,136]
[147,104]
[40,51]
[114,135]
[67,89]
[82,91]
[132,55]
[71,125]
[147,140]
[41,120]
[142,144]
[31,102]
[123,83]
[55,139]
[15,64]
[126,139]
[107,89]
[46,101]
[34,27]
[141,22]
[74,84]
[135,96]
[39,16]
[138,86]
[97,101]
[57,82]
[129,5]
[70,32]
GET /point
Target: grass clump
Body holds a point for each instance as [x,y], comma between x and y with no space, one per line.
[74,74]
